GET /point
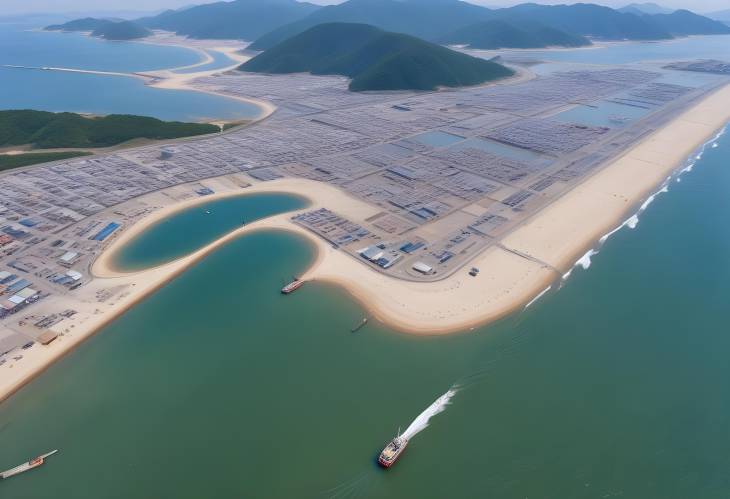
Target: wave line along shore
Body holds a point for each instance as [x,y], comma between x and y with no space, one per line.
[557,235]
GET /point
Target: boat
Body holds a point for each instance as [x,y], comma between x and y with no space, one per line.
[359,325]
[33,463]
[392,451]
[292,286]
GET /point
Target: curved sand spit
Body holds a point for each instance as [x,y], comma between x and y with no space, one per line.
[557,235]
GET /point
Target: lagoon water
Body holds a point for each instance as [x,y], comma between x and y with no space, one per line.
[217,386]
[98,94]
[191,229]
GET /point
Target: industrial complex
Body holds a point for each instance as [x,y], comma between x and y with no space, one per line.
[450,173]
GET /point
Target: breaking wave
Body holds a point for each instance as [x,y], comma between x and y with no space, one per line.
[542,293]
[421,422]
[631,222]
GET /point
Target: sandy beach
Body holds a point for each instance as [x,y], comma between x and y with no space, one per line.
[529,259]
[558,235]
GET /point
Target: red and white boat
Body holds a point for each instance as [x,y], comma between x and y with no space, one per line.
[392,451]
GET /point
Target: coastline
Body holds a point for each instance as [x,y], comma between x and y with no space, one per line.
[558,235]
[168,79]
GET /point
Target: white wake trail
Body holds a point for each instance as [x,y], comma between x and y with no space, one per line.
[421,422]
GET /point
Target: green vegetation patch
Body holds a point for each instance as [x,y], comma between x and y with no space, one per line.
[10,161]
[45,130]
[375,59]
[123,30]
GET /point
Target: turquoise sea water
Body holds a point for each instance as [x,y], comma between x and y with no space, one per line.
[220,60]
[217,386]
[188,230]
[97,94]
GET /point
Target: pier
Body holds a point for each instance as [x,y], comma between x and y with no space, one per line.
[33,463]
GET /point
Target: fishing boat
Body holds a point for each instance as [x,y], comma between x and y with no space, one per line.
[392,451]
[33,463]
[292,286]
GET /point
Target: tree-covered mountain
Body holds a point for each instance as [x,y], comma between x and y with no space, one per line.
[645,8]
[85,24]
[270,22]
[684,22]
[239,19]
[427,19]
[496,34]
[375,59]
[46,130]
[122,30]
[589,20]
[720,15]
[109,29]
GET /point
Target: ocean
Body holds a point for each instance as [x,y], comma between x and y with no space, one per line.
[102,94]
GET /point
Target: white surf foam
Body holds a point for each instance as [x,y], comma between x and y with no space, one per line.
[585,260]
[542,293]
[631,222]
[421,422]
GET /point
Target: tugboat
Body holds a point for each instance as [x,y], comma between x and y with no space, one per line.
[392,451]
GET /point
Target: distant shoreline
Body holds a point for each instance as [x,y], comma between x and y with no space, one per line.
[169,80]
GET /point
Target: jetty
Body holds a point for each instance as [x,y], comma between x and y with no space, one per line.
[33,463]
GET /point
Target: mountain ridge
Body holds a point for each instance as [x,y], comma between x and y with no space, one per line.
[375,59]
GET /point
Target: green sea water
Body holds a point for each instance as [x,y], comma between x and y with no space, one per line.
[217,386]
[191,229]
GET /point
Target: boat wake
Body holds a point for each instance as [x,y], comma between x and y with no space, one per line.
[354,488]
[421,422]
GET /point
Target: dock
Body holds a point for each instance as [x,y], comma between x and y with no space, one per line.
[33,463]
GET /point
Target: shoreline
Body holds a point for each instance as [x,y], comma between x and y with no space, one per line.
[560,235]
[168,79]
[457,303]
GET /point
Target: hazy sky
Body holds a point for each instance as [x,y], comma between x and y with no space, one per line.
[23,6]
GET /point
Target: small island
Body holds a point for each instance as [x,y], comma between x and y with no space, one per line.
[107,29]
[29,129]
[375,59]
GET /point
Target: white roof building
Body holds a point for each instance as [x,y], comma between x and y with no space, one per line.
[74,275]
[422,268]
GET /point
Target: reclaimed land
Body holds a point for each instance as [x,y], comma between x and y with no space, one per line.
[454,304]
[387,167]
